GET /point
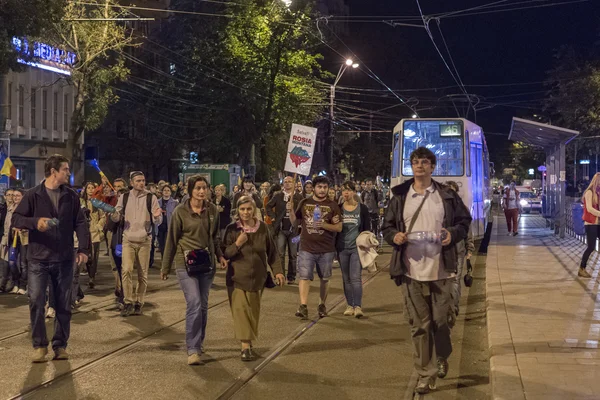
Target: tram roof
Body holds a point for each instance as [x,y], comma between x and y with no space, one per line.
[538,134]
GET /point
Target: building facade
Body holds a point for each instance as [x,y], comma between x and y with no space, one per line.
[36,107]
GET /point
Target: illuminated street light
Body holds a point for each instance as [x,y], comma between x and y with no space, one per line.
[349,62]
[414,115]
[355,65]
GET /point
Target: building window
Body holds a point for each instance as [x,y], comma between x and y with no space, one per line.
[33,108]
[44,109]
[9,111]
[66,113]
[21,105]
[55,119]
[131,129]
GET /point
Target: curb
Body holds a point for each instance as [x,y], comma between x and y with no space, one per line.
[505,377]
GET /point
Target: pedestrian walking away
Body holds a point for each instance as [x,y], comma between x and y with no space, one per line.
[591,213]
[251,252]
[424,222]
[138,212]
[51,213]
[320,219]
[193,243]
[355,219]
[279,209]
[511,203]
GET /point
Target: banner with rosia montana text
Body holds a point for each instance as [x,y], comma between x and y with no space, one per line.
[300,149]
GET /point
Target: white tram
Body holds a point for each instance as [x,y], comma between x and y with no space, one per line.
[462,156]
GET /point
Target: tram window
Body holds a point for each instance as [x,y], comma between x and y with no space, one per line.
[444,138]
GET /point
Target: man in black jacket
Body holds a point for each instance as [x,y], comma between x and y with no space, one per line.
[425,269]
[283,229]
[51,212]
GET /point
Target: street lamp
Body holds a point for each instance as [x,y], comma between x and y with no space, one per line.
[349,63]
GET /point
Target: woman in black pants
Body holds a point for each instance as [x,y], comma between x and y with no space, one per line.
[592,226]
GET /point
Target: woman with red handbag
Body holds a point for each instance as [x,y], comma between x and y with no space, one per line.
[592,225]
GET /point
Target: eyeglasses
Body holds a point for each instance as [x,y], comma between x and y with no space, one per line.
[424,162]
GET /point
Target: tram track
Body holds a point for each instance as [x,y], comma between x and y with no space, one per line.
[245,378]
[95,307]
[228,393]
[35,390]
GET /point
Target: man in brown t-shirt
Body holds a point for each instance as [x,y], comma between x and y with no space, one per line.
[317,242]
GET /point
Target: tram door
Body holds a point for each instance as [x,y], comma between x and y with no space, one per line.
[477,183]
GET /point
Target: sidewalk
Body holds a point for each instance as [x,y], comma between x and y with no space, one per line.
[543,323]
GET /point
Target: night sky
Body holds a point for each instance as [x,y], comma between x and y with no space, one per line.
[488,49]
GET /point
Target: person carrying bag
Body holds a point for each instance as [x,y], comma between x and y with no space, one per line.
[193,244]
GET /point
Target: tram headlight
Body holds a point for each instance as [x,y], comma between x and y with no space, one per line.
[524,202]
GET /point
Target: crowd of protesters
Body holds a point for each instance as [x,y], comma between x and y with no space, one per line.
[52,235]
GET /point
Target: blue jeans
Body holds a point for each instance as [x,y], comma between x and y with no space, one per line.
[284,240]
[195,290]
[60,277]
[307,262]
[351,275]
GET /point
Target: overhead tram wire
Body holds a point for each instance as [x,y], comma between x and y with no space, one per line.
[456,78]
[373,75]
[162,9]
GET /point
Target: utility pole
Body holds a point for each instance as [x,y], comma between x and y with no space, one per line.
[370,127]
[331,138]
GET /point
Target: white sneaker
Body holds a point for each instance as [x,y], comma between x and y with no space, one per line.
[15,289]
[51,313]
[358,312]
[22,291]
[372,268]
[349,311]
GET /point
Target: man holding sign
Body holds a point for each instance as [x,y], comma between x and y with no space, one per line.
[320,219]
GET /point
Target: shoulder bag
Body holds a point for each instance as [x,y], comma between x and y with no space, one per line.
[199,261]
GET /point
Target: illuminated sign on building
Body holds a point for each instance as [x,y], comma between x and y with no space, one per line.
[45,56]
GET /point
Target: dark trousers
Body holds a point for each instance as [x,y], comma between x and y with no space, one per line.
[19,274]
[93,263]
[152,248]
[284,240]
[374,223]
[429,311]
[512,219]
[592,232]
[60,277]
[162,240]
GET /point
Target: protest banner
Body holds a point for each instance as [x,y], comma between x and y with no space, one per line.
[301,147]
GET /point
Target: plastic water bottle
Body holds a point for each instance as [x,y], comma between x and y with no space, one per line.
[107,208]
[424,237]
[317,214]
[296,239]
[53,222]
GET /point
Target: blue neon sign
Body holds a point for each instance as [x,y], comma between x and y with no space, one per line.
[45,56]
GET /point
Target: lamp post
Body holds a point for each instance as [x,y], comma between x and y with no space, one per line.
[343,68]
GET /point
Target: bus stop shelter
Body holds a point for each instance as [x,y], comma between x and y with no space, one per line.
[553,140]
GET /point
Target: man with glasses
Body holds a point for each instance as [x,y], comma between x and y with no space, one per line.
[425,269]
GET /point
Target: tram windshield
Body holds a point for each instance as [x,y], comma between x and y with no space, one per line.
[444,138]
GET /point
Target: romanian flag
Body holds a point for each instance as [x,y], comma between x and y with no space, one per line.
[8,169]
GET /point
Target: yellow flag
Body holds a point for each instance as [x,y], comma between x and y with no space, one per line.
[8,169]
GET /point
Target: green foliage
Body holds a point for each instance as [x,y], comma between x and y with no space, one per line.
[24,19]
[364,159]
[575,91]
[97,45]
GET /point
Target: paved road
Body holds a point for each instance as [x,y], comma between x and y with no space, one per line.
[144,357]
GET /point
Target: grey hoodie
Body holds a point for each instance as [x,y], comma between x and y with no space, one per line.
[137,227]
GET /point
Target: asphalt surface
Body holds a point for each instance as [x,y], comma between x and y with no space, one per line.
[143,357]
